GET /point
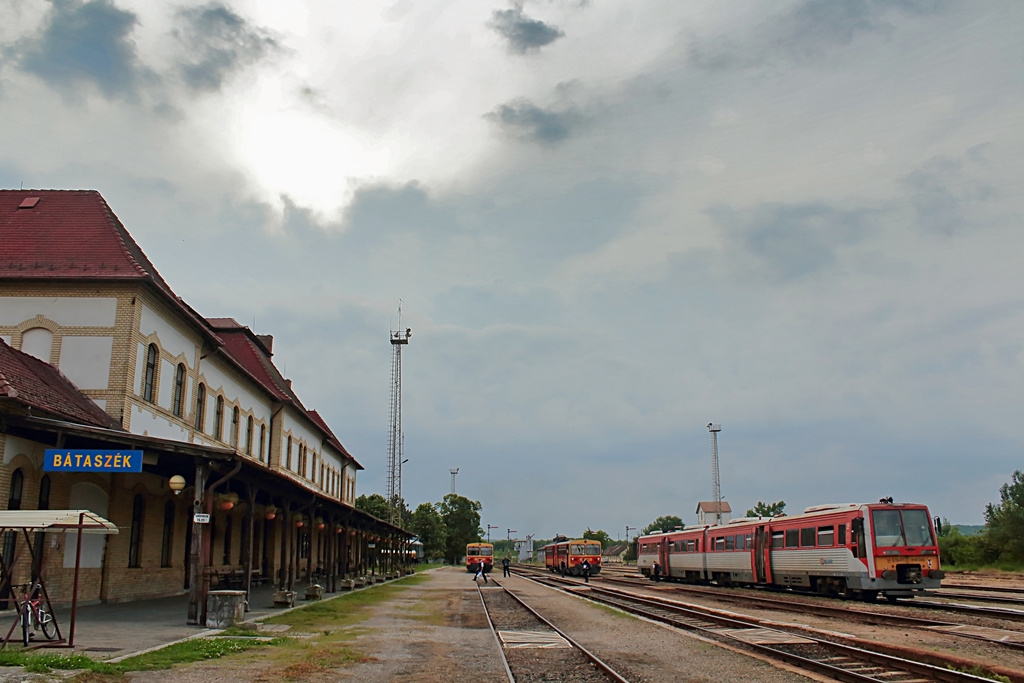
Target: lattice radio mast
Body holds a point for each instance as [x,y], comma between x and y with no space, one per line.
[396,442]
[716,489]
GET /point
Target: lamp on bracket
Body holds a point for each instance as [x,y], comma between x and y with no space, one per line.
[177,484]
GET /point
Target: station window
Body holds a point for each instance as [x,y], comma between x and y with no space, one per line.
[200,423]
[167,542]
[149,380]
[235,423]
[218,419]
[178,400]
[792,538]
[248,435]
[826,536]
[135,535]
[807,536]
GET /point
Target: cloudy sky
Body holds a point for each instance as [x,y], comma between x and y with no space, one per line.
[608,224]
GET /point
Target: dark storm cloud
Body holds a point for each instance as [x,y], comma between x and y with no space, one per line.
[218,41]
[86,42]
[793,240]
[808,32]
[524,120]
[523,33]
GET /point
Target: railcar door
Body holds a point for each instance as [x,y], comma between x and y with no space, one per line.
[762,555]
[664,551]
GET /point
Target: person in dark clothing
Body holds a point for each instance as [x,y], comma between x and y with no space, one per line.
[656,571]
[505,565]
[561,569]
[585,566]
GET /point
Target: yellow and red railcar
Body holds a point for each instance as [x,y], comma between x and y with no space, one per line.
[477,553]
[572,553]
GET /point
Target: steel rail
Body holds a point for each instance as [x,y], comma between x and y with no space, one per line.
[497,640]
[597,661]
[709,624]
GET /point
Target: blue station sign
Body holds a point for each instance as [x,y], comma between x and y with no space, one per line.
[69,460]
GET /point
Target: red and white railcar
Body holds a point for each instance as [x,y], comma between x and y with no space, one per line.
[855,549]
[569,554]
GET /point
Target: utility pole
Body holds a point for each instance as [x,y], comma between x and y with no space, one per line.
[396,441]
[716,489]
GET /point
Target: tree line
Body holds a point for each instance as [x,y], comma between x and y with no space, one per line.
[1000,543]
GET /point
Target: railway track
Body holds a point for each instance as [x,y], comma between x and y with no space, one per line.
[837,660]
[533,648]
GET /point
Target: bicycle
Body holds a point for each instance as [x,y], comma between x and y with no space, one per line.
[33,614]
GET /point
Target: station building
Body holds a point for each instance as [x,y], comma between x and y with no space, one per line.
[238,483]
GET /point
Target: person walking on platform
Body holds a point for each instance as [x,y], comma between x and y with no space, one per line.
[480,572]
[505,566]
[585,566]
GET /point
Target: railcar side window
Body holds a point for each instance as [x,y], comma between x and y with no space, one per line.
[729,542]
[739,542]
[777,539]
[826,535]
[719,543]
[807,535]
[842,534]
[693,546]
[792,538]
[750,540]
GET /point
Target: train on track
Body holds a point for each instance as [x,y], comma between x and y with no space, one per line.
[853,550]
[570,554]
[477,553]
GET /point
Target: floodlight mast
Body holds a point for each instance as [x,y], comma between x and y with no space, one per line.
[396,440]
[716,488]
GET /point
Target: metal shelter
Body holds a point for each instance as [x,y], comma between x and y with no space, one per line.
[31,522]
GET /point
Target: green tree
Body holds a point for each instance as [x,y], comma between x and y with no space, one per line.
[428,526]
[666,523]
[767,509]
[598,535]
[1005,520]
[374,504]
[461,518]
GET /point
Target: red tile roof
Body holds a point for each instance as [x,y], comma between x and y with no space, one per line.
[73,234]
[251,353]
[40,387]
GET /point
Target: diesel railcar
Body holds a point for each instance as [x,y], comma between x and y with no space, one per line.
[572,553]
[477,553]
[854,550]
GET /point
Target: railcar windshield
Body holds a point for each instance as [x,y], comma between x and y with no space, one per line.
[486,551]
[901,527]
[593,549]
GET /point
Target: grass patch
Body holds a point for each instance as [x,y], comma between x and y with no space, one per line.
[980,672]
[193,650]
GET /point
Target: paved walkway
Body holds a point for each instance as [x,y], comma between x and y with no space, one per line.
[111,632]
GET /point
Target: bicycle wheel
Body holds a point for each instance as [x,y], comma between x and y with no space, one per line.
[26,623]
[46,623]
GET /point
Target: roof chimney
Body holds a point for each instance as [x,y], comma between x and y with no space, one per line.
[267,340]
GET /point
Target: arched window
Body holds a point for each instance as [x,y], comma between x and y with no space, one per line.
[168,538]
[248,435]
[218,419]
[263,440]
[149,380]
[201,407]
[178,402]
[13,503]
[288,455]
[235,419]
[135,538]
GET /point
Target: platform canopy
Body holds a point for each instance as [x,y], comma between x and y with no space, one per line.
[85,521]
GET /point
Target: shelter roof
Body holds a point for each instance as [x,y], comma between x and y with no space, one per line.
[56,520]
